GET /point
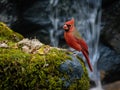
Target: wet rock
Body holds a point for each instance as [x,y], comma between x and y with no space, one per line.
[110,34]
[109,62]
[112,86]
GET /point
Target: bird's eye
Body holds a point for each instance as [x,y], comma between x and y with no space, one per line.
[69,25]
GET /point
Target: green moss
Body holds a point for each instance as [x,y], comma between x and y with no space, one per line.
[21,70]
[7,34]
[84,82]
[28,71]
[40,71]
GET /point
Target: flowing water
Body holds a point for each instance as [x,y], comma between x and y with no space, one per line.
[87,14]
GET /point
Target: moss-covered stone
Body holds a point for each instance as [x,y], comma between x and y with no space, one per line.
[26,71]
[7,34]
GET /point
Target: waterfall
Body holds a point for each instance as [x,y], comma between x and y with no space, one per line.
[54,33]
[87,14]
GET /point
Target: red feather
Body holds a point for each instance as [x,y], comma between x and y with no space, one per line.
[83,45]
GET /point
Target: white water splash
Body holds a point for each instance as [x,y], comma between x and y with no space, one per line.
[98,87]
[54,33]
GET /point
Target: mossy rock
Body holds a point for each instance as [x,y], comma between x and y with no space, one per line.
[7,34]
[25,71]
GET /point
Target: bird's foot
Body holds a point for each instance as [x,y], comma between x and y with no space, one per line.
[75,53]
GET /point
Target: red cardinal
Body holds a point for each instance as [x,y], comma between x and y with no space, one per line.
[75,41]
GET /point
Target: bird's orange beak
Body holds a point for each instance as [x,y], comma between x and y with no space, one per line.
[65,27]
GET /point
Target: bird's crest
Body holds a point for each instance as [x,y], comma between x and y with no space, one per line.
[70,22]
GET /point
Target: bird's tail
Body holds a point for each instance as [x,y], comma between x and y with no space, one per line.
[88,60]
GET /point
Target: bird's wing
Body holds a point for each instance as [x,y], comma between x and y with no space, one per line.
[81,41]
[76,34]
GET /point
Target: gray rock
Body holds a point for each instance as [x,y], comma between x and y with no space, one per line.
[109,62]
[110,34]
[73,69]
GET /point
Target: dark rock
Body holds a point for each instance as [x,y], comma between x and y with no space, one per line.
[7,12]
[111,77]
[109,62]
[24,25]
[107,3]
[110,34]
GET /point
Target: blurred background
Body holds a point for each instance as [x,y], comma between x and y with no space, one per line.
[97,21]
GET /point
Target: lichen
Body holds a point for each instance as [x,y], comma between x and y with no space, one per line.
[27,71]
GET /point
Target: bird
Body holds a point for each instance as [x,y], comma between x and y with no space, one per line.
[74,40]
